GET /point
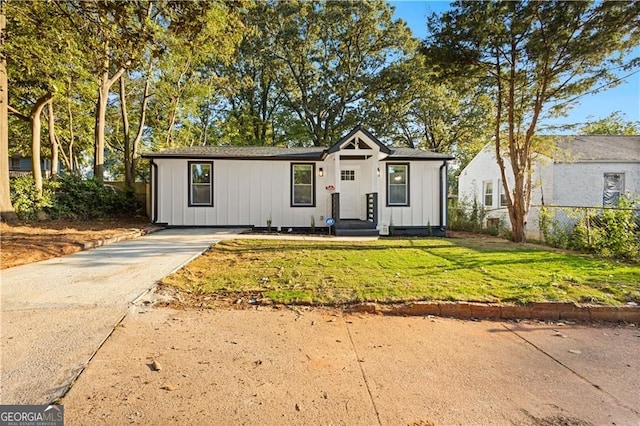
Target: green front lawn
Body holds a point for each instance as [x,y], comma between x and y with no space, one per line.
[393,270]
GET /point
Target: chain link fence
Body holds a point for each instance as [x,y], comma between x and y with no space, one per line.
[606,231]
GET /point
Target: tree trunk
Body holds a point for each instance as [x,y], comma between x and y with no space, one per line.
[101,113]
[131,148]
[36,125]
[53,141]
[7,213]
[125,134]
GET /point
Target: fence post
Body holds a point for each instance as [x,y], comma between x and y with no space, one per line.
[588,222]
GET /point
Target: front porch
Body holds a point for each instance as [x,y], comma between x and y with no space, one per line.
[356,227]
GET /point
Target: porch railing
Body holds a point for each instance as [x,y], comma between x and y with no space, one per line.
[335,207]
[372,207]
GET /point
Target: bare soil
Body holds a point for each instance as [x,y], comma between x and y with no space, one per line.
[27,242]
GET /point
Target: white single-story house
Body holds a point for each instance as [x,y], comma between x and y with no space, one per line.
[363,185]
[582,171]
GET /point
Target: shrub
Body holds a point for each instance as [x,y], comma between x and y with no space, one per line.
[26,201]
[71,197]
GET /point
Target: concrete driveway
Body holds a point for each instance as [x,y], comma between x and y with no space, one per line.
[55,314]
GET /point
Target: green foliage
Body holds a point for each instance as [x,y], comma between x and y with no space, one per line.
[526,53]
[609,232]
[25,198]
[614,124]
[73,198]
[466,216]
[84,199]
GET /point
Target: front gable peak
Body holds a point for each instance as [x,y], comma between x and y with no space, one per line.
[359,139]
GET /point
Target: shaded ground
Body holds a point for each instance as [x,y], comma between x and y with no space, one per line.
[27,242]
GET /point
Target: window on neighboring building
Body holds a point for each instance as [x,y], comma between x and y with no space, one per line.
[397,184]
[347,175]
[503,196]
[303,192]
[488,193]
[613,189]
[200,184]
[14,164]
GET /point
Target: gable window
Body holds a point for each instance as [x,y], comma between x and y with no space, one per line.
[200,184]
[487,191]
[503,196]
[613,189]
[397,184]
[303,193]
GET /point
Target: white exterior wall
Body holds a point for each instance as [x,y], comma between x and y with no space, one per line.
[245,192]
[249,192]
[424,196]
[484,168]
[582,184]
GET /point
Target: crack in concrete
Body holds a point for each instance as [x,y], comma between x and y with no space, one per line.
[364,376]
[574,372]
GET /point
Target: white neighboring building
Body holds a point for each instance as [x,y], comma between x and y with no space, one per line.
[585,171]
[362,184]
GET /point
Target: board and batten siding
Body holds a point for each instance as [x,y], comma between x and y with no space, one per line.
[244,193]
[424,196]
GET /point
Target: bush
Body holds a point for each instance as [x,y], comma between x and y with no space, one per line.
[71,197]
[610,232]
[26,201]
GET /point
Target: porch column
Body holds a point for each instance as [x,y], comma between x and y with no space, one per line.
[336,163]
[374,173]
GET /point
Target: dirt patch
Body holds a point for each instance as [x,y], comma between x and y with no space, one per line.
[27,242]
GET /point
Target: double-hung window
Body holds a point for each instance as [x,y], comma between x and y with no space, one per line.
[397,184]
[488,193]
[303,193]
[200,184]
[503,196]
[613,189]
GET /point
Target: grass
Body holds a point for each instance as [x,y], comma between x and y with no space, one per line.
[394,270]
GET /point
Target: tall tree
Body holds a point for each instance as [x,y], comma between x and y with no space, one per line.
[534,56]
[36,69]
[414,109]
[7,212]
[332,54]
[118,34]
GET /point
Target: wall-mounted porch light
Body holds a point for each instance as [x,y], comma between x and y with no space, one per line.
[320,172]
[378,171]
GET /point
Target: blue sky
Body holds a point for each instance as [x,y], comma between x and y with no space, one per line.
[624,97]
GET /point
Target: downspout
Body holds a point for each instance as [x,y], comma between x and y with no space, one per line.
[443,195]
[154,191]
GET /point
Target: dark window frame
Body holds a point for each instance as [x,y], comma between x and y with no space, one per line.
[292,184]
[407,184]
[190,183]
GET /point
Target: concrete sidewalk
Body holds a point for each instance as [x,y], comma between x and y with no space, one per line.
[306,366]
[55,314]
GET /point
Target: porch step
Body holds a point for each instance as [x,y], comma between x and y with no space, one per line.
[357,232]
[356,228]
[355,224]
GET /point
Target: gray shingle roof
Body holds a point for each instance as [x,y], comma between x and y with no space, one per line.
[598,148]
[249,152]
[278,153]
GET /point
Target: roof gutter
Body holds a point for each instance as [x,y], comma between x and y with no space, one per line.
[443,195]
